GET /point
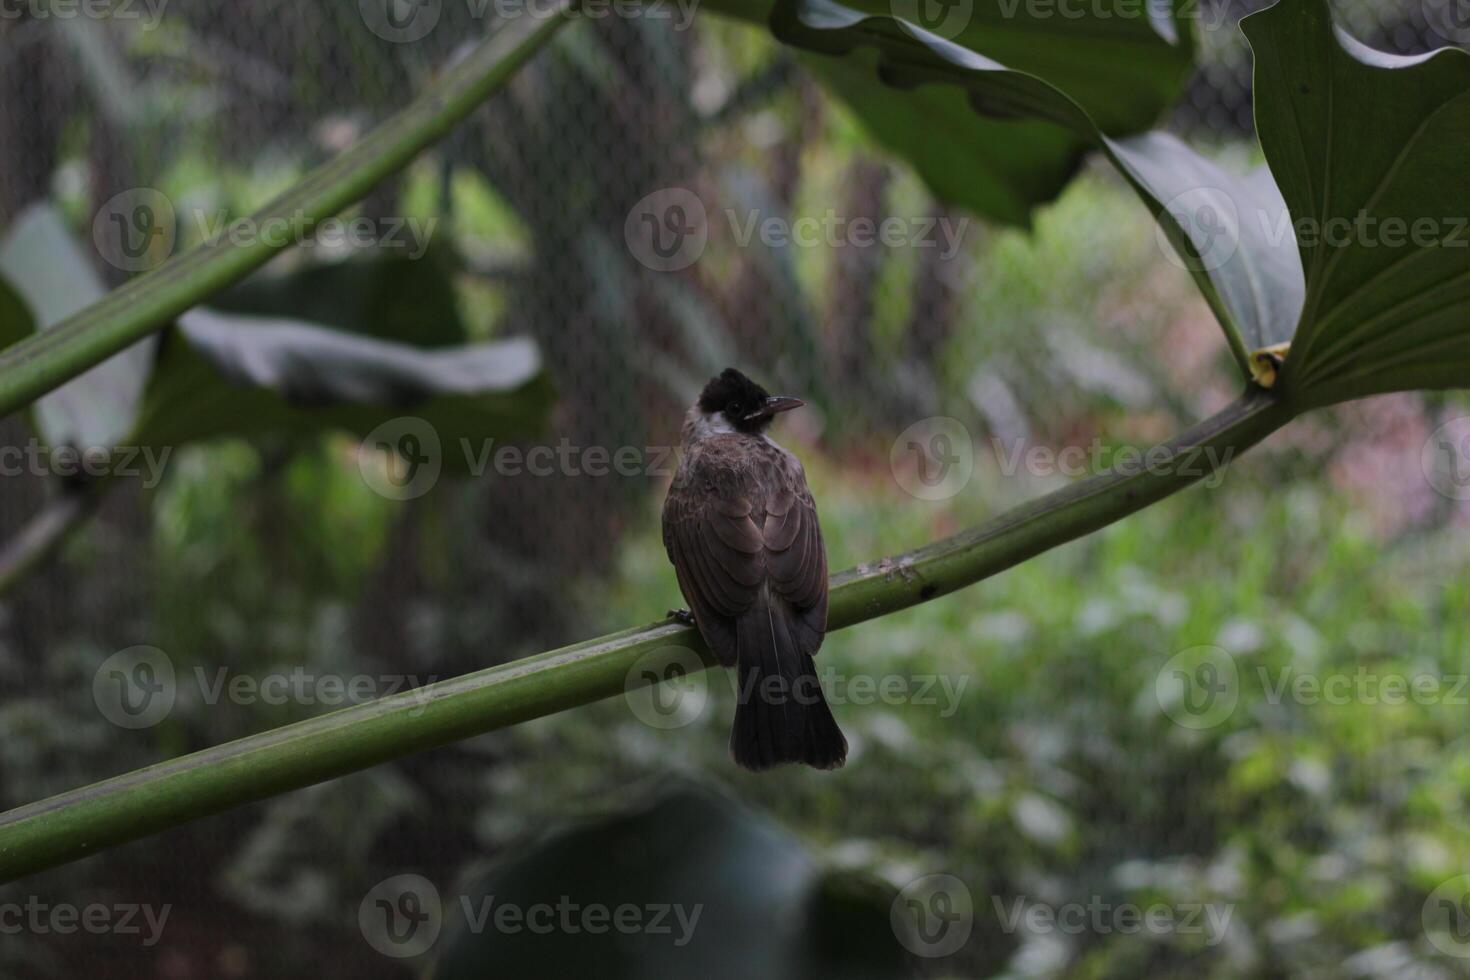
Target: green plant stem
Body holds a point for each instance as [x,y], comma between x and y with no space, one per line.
[48,359]
[83,821]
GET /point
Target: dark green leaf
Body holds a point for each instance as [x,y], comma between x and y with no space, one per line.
[1123,67]
[1248,282]
[392,296]
[1121,70]
[1366,147]
[1001,169]
[1226,230]
[15,316]
[1112,59]
[741,898]
[227,375]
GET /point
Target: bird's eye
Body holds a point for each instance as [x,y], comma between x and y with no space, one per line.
[733,408]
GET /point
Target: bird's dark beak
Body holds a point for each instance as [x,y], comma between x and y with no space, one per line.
[774,405]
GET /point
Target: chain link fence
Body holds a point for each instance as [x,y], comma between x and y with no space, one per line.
[218,106]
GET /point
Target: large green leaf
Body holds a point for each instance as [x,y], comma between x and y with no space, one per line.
[224,374]
[40,363]
[1245,273]
[220,373]
[1000,169]
[1122,65]
[1365,147]
[735,896]
[386,294]
[1119,62]
[55,278]
[16,320]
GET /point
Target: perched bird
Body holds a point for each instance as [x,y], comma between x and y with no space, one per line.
[741,529]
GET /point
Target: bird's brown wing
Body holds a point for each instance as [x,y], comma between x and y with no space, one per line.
[796,561]
[720,558]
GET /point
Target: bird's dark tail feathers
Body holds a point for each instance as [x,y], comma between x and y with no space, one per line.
[781,715]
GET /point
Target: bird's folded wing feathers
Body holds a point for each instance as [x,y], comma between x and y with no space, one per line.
[719,556]
[797,563]
[722,558]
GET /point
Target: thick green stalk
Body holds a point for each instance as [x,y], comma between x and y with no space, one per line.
[46,360]
[83,821]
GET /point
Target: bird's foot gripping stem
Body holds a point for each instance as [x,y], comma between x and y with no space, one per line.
[682,616]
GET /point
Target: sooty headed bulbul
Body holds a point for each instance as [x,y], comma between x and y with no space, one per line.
[741,528]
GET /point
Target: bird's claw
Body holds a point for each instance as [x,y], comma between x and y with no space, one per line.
[682,616]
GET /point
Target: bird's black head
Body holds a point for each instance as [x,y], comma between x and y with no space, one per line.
[744,404]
